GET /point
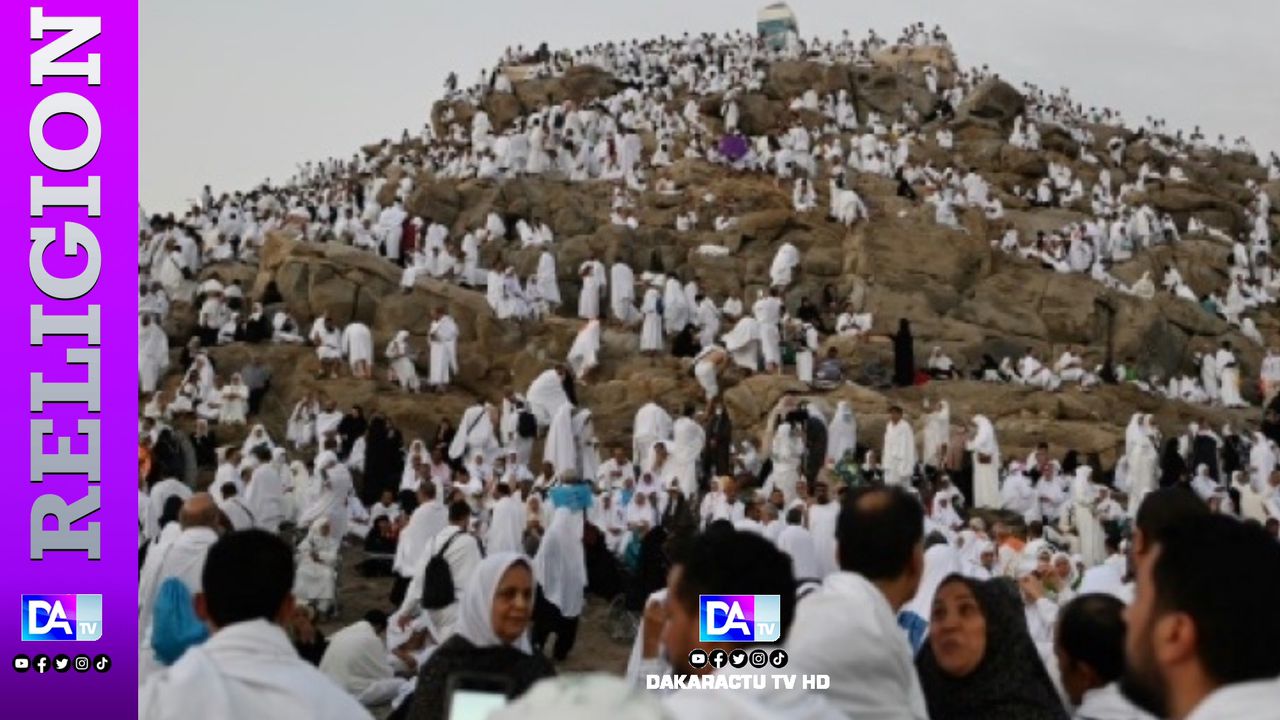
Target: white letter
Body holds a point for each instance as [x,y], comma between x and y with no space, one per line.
[63,461]
[89,325]
[65,104]
[79,30]
[651,682]
[75,236]
[85,196]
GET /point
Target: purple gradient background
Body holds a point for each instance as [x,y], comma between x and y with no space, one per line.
[99,695]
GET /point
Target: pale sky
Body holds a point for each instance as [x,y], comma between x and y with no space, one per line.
[236,91]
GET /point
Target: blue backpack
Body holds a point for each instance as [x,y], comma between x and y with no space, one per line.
[175,626]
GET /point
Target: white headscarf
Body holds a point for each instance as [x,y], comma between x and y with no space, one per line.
[475,609]
[560,564]
[939,561]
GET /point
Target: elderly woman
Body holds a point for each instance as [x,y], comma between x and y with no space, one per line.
[491,638]
[980,661]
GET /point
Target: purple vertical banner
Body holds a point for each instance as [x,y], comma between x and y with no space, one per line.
[69,188]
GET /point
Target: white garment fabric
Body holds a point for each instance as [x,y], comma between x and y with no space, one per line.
[507,523]
[986,475]
[899,455]
[842,433]
[546,395]
[427,520]
[246,670]
[357,660]
[560,564]
[847,630]
[357,344]
[475,616]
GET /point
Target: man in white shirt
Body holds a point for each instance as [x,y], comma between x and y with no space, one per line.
[848,628]
[181,558]
[1090,656]
[1203,628]
[248,668]
[614,472]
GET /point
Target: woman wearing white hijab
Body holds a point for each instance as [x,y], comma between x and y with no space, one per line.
[651,328]
[842,434]
[986,464]
[561,569]
[491,636]
[317,576]
[234,403]
[1262,462]
[940,561]
[548,288]
[561,448]
[257,437]
[787,452]
[622,294]
[1083,496]
[584,353]
[676,313]
[1141,458]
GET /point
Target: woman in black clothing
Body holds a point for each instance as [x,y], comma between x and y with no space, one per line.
[904,356]
[1173,468]
[980,661]
[492,637]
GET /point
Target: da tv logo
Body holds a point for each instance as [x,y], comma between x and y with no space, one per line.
[739,618]
[62,617]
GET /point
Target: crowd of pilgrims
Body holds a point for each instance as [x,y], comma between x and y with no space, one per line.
[805,510]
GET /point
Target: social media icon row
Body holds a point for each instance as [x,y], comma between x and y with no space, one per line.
[61,663]
[739,657]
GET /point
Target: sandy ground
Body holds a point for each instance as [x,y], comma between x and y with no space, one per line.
[593,651]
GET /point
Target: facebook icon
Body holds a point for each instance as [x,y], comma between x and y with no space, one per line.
[739,618]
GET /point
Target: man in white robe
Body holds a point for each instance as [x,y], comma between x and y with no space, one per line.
[561,447]
[899,449]
[476,434]
[265,494]
[592,273]
[507,522]
[442,340]
[357,345]
[328,343]
[249,667]
[652,424]
[784,261]
[402,372]
[622,294]
[848,628]
[584,353]
[1229,376]
[548,287]
[182,558]
[153,354]
[546,394]
[358,661]
[428,519]
[463,555]
[688,440]
[707,318]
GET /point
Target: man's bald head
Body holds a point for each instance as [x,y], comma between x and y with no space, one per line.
[199,511]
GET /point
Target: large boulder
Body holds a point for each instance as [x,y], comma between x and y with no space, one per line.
[993,99]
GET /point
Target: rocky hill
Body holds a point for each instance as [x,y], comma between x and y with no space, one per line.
[957,290]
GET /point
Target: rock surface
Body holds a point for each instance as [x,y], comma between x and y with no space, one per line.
[958,292]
